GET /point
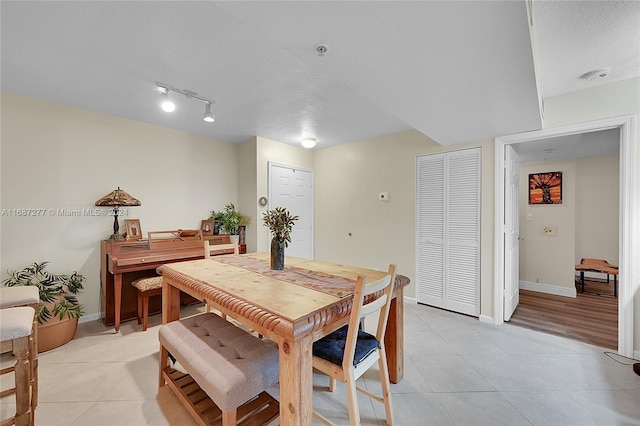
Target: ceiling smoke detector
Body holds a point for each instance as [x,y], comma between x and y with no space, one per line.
[322,49]
[595,74]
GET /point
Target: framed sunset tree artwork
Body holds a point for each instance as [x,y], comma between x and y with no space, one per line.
[545,188]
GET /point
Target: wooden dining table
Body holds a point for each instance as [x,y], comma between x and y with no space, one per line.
[294,307]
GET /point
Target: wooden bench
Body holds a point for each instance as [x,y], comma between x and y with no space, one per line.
[600,266]
[226,371]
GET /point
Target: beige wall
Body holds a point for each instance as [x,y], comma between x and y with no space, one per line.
[587,220]
[544,258]
[247,191]
[60,157]
[70,157]
[598,208]
[269,150]
[348,180]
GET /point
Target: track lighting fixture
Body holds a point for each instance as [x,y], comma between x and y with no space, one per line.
[208,116]
[168,105]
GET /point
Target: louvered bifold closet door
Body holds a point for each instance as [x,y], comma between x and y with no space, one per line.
[448,231]
[462,246]
[430,229]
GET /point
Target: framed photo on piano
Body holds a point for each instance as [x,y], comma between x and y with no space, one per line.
[134,231]
[206,226]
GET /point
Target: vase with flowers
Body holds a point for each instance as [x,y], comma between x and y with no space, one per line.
[280,222]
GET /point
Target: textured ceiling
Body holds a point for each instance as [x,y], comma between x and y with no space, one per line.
[575,37]
[456,71]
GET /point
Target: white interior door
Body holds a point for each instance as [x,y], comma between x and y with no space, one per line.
[511,232]
[292,188]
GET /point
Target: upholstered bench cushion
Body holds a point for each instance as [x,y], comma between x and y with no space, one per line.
[16,322]
[230,365]
[18,296]
[146,284]
[331,347]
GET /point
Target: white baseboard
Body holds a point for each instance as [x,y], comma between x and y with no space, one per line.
[486,318]
[549,289]
[89,318]
[411,300]
[636,355]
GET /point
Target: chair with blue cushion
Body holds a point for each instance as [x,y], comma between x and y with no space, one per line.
[349,351]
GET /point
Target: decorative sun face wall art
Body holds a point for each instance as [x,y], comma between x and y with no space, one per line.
[545,188]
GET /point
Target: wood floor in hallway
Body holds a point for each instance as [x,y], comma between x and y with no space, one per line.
[589,318]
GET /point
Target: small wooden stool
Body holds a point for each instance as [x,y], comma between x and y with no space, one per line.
[145,288]
[13,297]
[16,325]
[227,370]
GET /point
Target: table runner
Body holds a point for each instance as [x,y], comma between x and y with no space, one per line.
[319,281]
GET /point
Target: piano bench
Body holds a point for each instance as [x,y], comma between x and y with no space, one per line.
[145,288]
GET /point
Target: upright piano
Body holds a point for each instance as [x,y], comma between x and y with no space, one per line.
[122,262]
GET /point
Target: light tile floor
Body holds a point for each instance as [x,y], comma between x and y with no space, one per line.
[458,371]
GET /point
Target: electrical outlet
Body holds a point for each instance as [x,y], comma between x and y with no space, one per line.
[383,196]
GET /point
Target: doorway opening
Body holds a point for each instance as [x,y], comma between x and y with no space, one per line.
[629,219]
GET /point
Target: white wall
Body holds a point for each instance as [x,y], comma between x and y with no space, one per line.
[60,157]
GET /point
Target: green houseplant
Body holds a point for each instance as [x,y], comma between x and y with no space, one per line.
[280,222]
[230,219]
[59,308]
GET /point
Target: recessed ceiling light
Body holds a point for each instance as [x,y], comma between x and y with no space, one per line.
[595,74]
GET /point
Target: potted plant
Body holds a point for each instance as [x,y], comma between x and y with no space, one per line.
[230,219]
[280,222]
[59,308]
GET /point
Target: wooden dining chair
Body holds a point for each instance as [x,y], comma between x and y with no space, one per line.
[19,296]
[349,351]
[215,249]
[17,327]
